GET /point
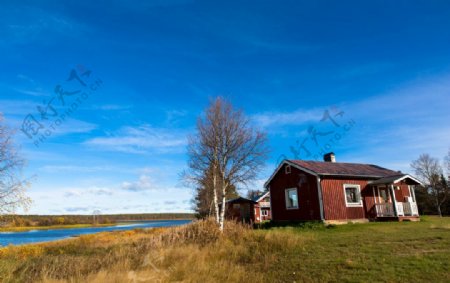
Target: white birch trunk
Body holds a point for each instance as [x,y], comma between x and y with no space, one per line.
[224,198]
[216,203]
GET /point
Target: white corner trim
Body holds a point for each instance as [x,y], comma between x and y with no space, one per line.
[285,161]
[319,195]
[263,196]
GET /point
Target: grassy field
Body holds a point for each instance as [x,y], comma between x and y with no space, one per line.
[387,252]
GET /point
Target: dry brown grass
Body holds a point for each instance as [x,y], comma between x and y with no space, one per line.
[387,252]
[123,256]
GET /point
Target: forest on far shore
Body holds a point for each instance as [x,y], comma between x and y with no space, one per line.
[49,220]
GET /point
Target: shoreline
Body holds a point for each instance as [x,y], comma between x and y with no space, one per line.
[74,226]
[69,226]
[53,227]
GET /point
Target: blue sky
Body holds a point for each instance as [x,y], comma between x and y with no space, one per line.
[381,69]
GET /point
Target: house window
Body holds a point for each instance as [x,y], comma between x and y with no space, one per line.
[352,195]
[291,198]
[236,206]
[264,212]
[287,169]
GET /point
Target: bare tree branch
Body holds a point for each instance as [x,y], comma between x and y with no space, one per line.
[430,172]
[12,187]
[226,150]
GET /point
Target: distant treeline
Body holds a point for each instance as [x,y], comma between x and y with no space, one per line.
[50,220]
[427,203]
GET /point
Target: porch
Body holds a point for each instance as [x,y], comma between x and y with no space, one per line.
[402,209]
[394,198]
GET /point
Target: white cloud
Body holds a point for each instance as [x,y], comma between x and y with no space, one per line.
[144,183]
[17,107]
[35,24]
[36,92]
[74,168]
[141,140]
[96,191]
[72,193]
[111,107]
[74,126]
[280,119]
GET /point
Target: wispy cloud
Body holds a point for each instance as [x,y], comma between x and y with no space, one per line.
[74,168]
[392,128]
[144,183]
[36,92]
[16,107]
[111,107]
[96,191]
[35,24]
[293,118]
[79,209]
[141,139]
[174,116]
[72,126]
[367,69]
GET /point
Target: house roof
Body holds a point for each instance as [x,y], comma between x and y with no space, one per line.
[338,169]
[240,199]
[261,196]
[344,169]
[394,179]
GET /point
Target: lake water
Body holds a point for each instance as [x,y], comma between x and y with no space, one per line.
[35,236]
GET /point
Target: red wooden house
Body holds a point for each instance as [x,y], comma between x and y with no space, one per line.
[262,207]
[336,192]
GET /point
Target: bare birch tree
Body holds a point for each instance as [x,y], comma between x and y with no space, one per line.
[12,187]
[447,163]
[429,170]
[227,148]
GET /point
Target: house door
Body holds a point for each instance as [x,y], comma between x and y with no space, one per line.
[384,196]
[245,212]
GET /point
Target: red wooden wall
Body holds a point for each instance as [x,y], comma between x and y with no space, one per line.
[334,199]
[308,200]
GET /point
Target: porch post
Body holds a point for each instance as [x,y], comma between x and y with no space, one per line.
[375,201]
[394,201]
[413,192]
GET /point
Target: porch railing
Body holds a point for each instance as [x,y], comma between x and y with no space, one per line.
[410,208]
[400,209]
[385,209]
[403,209]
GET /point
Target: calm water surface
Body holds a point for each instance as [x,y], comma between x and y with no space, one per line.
[34,236]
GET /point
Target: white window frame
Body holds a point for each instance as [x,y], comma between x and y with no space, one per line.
[264,212]
[287,169]
[286,197]
[358,187]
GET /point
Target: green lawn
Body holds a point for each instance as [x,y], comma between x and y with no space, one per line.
[406,251]
[373,252]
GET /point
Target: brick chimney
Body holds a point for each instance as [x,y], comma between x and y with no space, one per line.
[329,157]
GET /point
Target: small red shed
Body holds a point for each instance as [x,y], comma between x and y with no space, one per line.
[240,209]
[336,192]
